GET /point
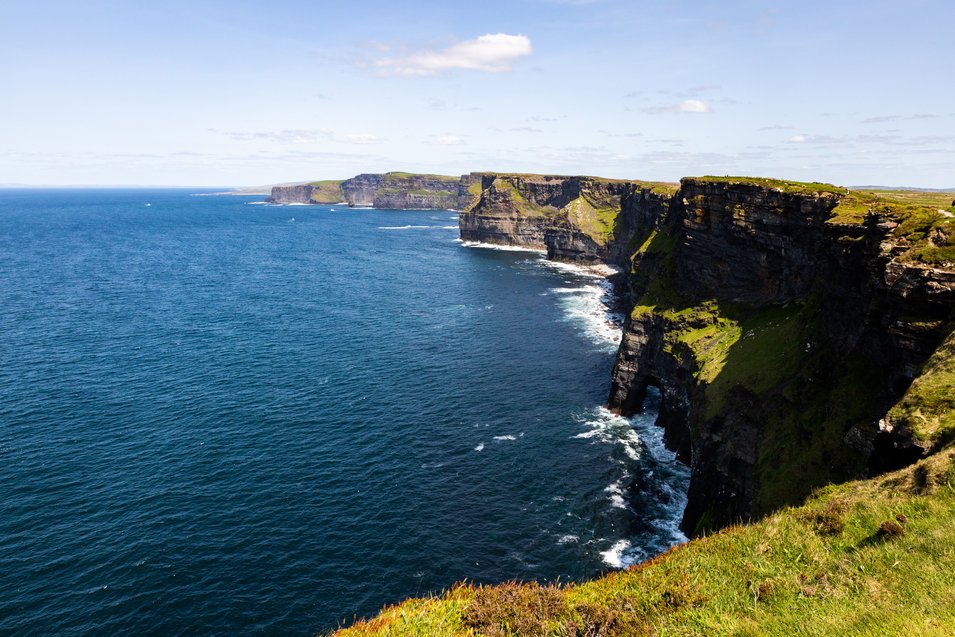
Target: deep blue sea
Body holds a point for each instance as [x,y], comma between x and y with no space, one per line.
[223,417]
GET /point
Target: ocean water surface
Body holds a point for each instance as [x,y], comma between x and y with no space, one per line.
[219,416]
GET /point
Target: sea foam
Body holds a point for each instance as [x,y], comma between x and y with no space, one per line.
[497,246]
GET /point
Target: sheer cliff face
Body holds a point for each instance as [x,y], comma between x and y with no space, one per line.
[430,192]
[580,219]
[300,193]
[779,340]
[361,190]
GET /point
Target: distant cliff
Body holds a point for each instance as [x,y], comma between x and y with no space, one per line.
[582,219]
[797,332]
[329,191]
[394,190]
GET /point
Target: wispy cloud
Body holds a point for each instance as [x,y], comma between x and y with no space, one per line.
[360,138]
[447,140]
[285,136]
[437,104]
[686,106]
[693,106]
[898,118]
[490,53]
[873,142]
[616,134]
[301,136]
[522,129]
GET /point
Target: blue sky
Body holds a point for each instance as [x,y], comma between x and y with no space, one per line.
[245,93]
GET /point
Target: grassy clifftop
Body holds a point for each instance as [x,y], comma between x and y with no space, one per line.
[923,224]
[327,191]
[874,557]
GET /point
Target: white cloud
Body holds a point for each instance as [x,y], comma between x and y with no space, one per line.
[687,106]
[447,140]
[798,139]
[300,136]
[492,53]
[693,106]
[360,138]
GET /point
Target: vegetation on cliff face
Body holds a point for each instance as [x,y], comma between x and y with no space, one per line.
[327,191]
[874,557]
[591,206]
[923,224]
[928,407]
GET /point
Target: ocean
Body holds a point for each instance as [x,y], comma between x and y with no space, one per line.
[220,416]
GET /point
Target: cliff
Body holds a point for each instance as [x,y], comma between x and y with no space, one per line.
[327,192]
[781,327]
[793,329]
[394,190]
[581,219]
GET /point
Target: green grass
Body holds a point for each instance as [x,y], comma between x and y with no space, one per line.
[397,175]
[922,223]
[938,200]
[869,558]
[327,191]
[782,185]
[928,407]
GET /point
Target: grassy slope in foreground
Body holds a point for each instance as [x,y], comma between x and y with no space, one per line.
[874,557]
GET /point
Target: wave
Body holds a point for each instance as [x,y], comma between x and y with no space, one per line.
[276,205]
[498,246]
[597,270]
[671,475]
[609,428]
[639,449]
[614,556]
[417,227]
[590,307]
[480,447]
[616,495]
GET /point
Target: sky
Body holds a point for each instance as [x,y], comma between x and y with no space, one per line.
[205,93]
